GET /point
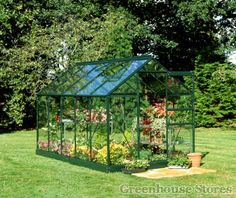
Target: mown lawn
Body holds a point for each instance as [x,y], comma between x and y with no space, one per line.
[24,174]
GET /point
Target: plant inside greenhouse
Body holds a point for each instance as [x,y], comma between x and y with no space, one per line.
[102,114]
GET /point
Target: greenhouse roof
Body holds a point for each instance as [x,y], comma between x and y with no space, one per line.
[99,78]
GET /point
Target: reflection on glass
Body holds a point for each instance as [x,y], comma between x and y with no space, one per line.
[89,76]
[95,79]
[115,80]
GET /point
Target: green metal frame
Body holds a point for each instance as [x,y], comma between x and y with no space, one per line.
[190,108]
[136,72]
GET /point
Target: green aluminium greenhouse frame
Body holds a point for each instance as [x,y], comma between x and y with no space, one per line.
[96,114]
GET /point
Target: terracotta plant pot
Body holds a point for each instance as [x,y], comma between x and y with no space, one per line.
[195,159]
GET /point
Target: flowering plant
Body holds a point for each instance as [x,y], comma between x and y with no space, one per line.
[68,149]
[117,153]
[43,145]
[96,115]
[134,164]
[51,145]
[82,152]
[154,121]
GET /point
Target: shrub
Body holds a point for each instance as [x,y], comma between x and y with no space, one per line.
[215,95]
[139,163]
[179,160]
[117,153]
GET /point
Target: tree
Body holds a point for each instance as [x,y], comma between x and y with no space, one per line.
[44,52]
[215,95]
[179,31]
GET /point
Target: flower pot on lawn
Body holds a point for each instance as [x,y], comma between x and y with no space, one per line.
[195,159]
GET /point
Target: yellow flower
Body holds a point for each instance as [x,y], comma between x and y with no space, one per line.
[117,153]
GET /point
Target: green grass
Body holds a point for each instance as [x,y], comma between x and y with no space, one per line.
[24,174]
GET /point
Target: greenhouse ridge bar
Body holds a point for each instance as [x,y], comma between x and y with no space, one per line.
[103,113]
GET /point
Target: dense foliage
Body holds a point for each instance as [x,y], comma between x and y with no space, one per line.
[215,95]
[38,39]
[45,51]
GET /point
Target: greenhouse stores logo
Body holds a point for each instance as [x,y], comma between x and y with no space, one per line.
[159,189]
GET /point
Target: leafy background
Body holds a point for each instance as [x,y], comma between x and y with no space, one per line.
[39,39]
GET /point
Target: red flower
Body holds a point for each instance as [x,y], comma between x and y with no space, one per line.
[57,118]
[147,122]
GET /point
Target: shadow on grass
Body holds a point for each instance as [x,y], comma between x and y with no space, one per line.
[2,131]
[204,154]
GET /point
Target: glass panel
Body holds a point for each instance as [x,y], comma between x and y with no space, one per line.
[180,109]
[68,124]
[42,123]
[153,66]
[98,127]
[91,87]
[153,126]
[54,126]
[81,84]
[82,129]
[128,87]
[49,127]
[62,78]
[94,78]
[153,83]
[123,134]
[113,81]
[179,139]
[80,77]
[180,120]
[105,82]
[179,86]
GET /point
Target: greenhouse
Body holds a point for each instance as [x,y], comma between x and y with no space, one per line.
[104,113]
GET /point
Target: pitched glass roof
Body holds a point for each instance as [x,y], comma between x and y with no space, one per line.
[98,78]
